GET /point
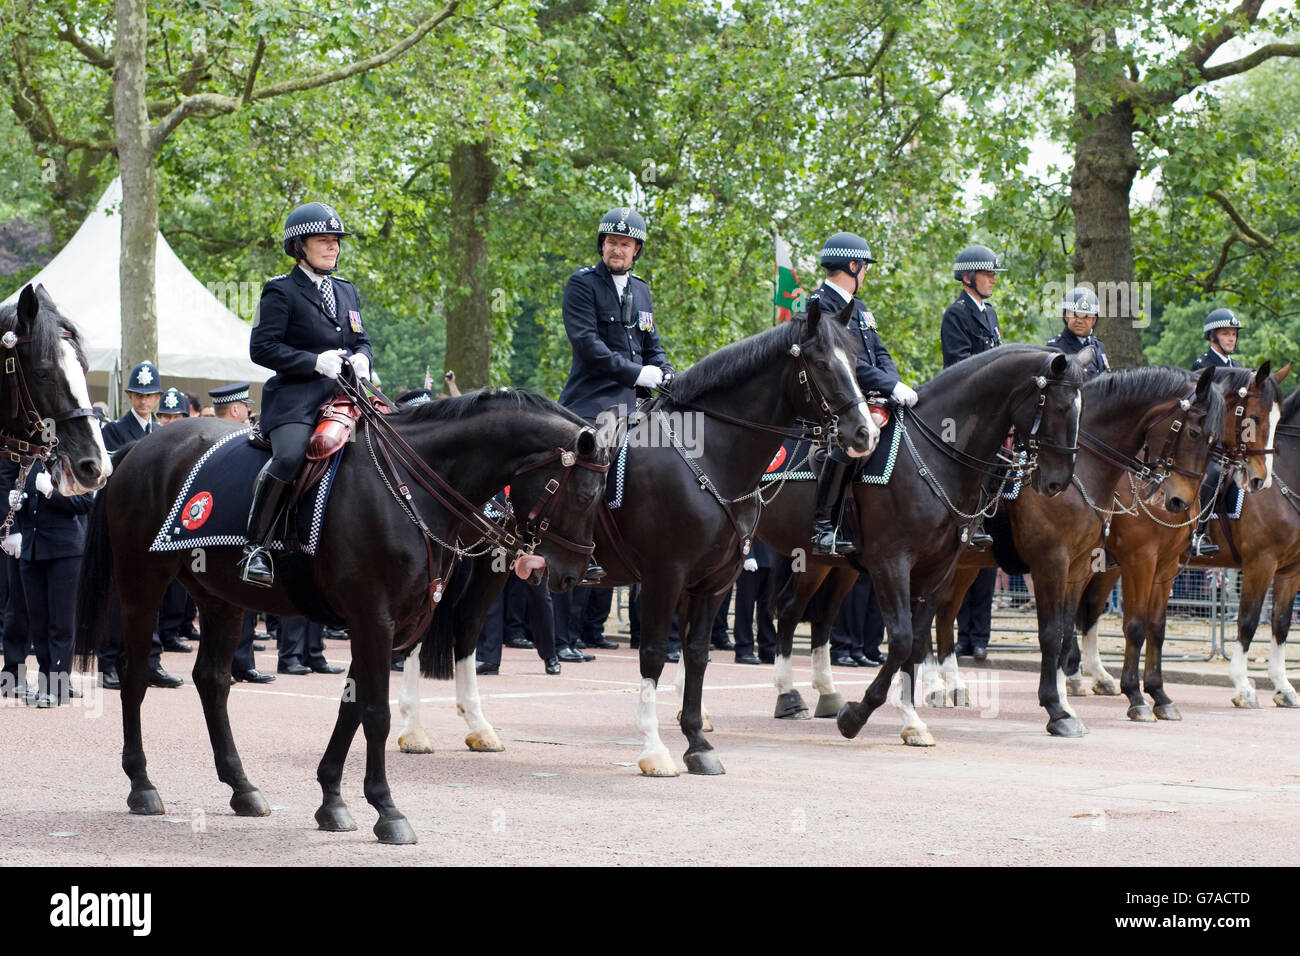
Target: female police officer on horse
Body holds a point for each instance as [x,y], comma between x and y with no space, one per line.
[308,324]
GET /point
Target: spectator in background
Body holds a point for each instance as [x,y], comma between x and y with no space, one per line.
[231,401]
[751,603]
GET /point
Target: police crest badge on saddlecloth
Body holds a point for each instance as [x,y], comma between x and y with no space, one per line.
[645,321]
[354,319]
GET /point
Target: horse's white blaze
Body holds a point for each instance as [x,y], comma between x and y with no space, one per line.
[783,675]
[842,357]
[1237,670]
[467,701]
[76,380]
[1273,418]
[1063,694]
[821,670]
[1277,669]
[647,720]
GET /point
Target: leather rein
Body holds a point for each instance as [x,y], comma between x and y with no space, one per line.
[25,448]
[1149,472]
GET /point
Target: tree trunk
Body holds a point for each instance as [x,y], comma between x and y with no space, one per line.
[139,188]
[1105,164]
[470,304]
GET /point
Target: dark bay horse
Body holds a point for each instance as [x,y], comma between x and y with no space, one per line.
[673,535]
[372,568]
[1155,422]
[910,528]
[1149,543]
[45,410]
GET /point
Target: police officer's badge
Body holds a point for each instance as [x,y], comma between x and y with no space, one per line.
[867,321]
[144,377]
[354,320]
[645,321]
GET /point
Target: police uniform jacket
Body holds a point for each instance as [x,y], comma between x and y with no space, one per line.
[290,330]
[123,432]
[1071,344]
[1212,359]
[875,366]
[53,527]
[607,356]
[967,331]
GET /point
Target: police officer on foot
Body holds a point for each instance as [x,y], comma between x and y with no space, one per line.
[1221,328]
[1079,311]
[143,389]
[308,326]
[845,258]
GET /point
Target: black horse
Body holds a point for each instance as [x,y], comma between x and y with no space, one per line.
[671,533]
[911,528]
[45,409]
[372,568]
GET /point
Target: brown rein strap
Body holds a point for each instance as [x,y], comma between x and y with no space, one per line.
[22,408]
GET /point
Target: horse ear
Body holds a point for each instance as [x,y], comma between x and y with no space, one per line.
[1280,375]
[1085,357]
[586,444]
[1059,364]
[1205,382]
[846,314]
[1263,373]
[813,317]
[29,306]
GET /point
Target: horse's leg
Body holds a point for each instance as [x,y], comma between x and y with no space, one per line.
[952,689]
[1055,617]
[829,700]
[789,702]
[1284,591]
[915,733]
[372,652]
[481,736]
[1255,579]
[700,756]
[1138,576]
[221,627]
[1153,678]
[657,601]
[139,614]
[413,739]
[679,672]
[1091,608]
[893,592]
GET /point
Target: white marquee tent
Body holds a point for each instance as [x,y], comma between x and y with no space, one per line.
[201,343]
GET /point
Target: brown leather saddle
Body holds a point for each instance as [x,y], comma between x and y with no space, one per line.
[334,427]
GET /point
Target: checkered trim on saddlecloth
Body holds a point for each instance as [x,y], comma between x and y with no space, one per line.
[866,478]
[620,472]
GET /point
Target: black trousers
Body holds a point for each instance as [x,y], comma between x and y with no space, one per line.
[244,652]
[719,633]
[858,627]
[975,618]
[47,586]
[288,449]
[634,620]
[17,634]
[580,615]
[751,603]
[108,654]
[488,649]
[529,612]
[301,641]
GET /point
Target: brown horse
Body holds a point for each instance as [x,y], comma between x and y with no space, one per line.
[1060,539]
[1149,542]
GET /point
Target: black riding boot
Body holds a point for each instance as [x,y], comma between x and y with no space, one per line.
[977,539]
[268,495]
[832,483]
[1202,546]
[594,572]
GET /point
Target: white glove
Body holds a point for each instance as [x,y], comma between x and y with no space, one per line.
[360,365]
[12,545]
[751,564]
[16,498]
[44,485]
[330,363]
[903,394]
[650,377]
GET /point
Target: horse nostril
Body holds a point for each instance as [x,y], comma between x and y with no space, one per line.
[1176,504]
[1256,484]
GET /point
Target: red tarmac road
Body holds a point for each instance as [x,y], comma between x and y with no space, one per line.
[1221,787]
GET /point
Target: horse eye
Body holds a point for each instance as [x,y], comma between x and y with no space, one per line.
[1195,432]
[822,364]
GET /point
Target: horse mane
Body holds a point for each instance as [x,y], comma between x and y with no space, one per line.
[1245,378]
[1074,374]
[739,362]
[1154,383]
[45,348]
[484,400]
[1290,406]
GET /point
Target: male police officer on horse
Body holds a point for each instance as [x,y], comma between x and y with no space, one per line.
[845,258]
[609,318]
[1220,328]
[1079,311]
[308,325]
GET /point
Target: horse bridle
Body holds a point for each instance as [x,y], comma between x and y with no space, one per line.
[1236,458]
[26,450]
[1150,473]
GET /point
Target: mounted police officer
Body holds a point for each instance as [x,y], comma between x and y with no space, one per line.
[845,258]
[1221,328]
[609,318]
[308,326]
[1079,311]
[143,389]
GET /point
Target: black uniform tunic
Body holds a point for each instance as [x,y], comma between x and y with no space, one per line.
[967,331]
[1071,344]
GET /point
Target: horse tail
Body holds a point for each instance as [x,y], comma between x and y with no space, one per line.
[438,648]
[95,584]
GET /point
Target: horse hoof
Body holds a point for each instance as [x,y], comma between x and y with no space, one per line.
[828,705]
[485,742]
[395,832]
[1142,714]
[917,737]
[417,743]
[1285,699]
[657,765]
[1246,701]
[251,803]
[145,802]
[1105,688]
[960,698]
[848,721]
[335,819]
[790,706]
[704,762]
[1076,687]
[1066,727]
[1167,712]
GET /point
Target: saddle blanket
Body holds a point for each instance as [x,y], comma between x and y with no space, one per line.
[211,510]
[791,461]
[1229,503]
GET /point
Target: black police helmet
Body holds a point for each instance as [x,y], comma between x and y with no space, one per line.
[976,259]
[843,248]
[310,219]
[622,221]
[1220,319]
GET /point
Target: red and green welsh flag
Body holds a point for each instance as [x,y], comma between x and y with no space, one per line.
[787,282]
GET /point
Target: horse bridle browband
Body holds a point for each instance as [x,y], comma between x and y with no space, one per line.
[24,411]
[1236,457]
[1151,473]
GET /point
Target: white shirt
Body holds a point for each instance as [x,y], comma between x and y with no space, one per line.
[620,283]
[142,422]
[845,294]
[978,304]
[315,279]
